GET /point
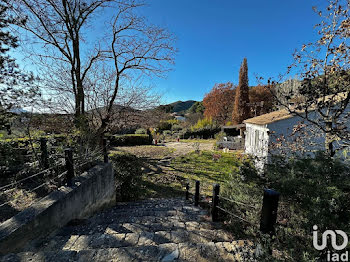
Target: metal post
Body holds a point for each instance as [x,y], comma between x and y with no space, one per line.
[269,211]
[69,165]
[196,196]
[187,191]
[44,154]
[215,203]
[105,153]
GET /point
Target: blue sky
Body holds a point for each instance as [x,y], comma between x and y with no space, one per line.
[215,36]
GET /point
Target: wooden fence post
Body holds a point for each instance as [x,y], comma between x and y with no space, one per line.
[196,196]
[187,191]
[69,165]
[44,154]
[105,152]
[215,203]
[269,211]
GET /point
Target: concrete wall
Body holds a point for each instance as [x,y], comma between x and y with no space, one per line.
[93,190]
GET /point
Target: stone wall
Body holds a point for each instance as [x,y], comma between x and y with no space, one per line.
[92,191]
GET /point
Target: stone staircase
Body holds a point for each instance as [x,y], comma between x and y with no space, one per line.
[150,230]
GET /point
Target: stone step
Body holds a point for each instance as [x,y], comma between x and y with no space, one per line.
[150,230]
[149,212]
[145,218]
[182,208]
[148,225]
[190,252]
[112,239]
[122,217]
[152,203]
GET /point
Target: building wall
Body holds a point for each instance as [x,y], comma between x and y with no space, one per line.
[304,142]
[256,140]
[265,140]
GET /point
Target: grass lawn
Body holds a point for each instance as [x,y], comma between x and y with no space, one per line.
[312,192]
[159,174]
[204,168]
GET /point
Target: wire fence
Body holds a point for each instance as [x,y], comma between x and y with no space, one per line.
[26,178]
[36,188]
[226,206]
[235,216]
[51,177]
[262,216]
[236,202]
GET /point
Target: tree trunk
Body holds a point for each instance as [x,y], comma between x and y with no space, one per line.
[329,139]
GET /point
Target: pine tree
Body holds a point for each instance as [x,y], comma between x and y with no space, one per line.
[241,109]
[7,41]
[7,64]
[17,88]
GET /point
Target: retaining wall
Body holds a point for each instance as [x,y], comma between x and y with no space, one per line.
[92,191]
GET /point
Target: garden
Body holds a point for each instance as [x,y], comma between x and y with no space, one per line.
[312,192]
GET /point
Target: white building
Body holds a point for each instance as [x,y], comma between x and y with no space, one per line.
[280,132]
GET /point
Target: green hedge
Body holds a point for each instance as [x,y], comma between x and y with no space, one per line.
[130,140]
[204,133]
[24,141]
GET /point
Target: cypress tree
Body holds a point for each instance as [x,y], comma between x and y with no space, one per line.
[241,110]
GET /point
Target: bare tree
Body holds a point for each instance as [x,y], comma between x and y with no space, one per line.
[323,95]
[58,27]
[130,106]
[136,48]
[130,44]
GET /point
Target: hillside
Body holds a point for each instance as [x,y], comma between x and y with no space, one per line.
[177,107]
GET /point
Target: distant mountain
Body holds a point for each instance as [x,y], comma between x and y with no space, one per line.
[177,107]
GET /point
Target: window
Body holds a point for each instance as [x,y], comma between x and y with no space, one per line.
[256,138]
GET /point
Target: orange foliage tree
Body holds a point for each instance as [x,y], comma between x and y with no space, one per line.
[218,102]
[261,100]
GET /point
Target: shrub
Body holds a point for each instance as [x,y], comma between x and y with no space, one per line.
[314,191]
[166,124]
[128,173]
[141,131]
[176,128]
[130,140]
[204,128]
[16,152]
[220,136]
[166,133]
[205,123]
[204,133]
